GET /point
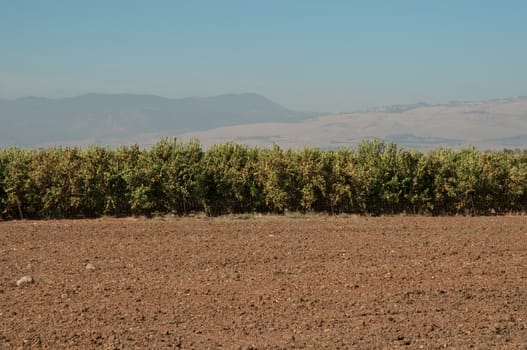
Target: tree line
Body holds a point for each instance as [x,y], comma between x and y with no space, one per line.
[181,178]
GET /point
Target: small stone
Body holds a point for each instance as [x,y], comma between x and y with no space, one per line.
[90,267]
[24,281]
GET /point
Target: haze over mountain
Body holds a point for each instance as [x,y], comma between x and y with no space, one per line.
[111,119]
[115,119]
[491,124]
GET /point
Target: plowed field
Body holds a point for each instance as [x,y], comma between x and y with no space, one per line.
[265,283]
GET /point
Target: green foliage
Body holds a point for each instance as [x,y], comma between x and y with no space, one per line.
[277,175]
[18,187]
[164,178]
[375,172]
[180,178]
[342,186]
[227,181]
[103,189]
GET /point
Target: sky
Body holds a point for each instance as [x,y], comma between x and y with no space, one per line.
[306,55]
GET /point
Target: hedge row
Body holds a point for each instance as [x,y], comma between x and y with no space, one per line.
[181,178]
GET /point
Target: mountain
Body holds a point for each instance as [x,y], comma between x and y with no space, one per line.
[252,119]
[491,124]
[111,119]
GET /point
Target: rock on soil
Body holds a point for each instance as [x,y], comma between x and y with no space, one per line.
[90,267]
[24,281]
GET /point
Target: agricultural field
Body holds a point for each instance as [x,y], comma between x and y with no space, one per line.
[265,282]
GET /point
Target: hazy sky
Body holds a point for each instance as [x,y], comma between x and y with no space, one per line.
[307,55]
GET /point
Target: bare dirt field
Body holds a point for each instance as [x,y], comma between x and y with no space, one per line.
[265,283]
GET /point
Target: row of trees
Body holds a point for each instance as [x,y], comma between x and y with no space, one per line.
[181,178]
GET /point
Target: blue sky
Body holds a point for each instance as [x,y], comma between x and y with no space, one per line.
[307,55]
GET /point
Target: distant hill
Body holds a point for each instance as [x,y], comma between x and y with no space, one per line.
[115,119]
[111,119]
[491,124]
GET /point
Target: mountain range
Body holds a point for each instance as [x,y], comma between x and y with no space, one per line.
[115,119]
[111,119]
[491,124]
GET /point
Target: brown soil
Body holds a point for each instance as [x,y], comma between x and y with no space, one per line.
[265,283]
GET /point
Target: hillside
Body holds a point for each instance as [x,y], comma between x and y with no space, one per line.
[253,119]
[492,124]
[125,118]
